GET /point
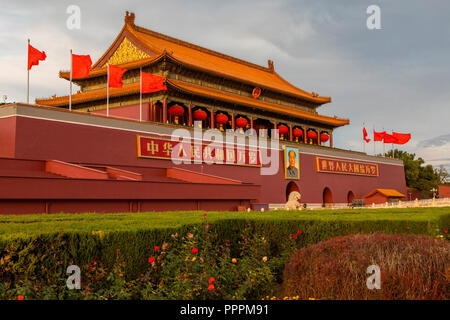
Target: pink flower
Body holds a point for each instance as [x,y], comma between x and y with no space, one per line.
[445,231]
[299,232]
[204,214]
[151,260]
[211,287]
[194,250]
[207,227]
[190,235]
[294,236]
[211,280]
[156,248]
[20,297]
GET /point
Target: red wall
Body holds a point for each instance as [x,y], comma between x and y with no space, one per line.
[128,112]
[7,137]
[47,140]
[444,192]
[376,198]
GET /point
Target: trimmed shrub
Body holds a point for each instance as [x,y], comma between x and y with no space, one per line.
[37,249]
[412,267]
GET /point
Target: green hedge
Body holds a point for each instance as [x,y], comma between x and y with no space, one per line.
[44,245]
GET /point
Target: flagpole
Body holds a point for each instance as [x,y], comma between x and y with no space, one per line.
[384,146]
[107,91]
[364,145]
[70,91]
[140,96]
[28,75]
[374,152]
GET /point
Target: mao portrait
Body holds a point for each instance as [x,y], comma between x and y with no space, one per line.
[291,163]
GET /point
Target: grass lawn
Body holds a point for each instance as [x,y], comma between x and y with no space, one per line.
[23,226]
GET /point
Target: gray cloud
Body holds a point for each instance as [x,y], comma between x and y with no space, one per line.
[435,142]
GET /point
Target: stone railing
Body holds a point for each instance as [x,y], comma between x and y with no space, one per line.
[444,202]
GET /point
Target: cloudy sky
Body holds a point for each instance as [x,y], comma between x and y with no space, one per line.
[396,78]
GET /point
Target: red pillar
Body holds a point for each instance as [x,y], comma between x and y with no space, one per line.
[212,118]
[304,135]
[251,125]
[150,111]
[290,132]
[165,110]
[232,121]
[189,115]
[276,134]
[331,139]
[318,137]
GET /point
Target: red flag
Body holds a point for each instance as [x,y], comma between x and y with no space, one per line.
[389,138]
[115,76]
[34,56]
[81,65]
[402,138]
[152,83]
[365,135]
[378,136]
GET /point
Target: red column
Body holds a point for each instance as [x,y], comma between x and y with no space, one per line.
[275,127]
[318,137]
[251,124]
[150,111]
[304,135]
[189,115]
[290,132]
[165,110]
[232,121]
[212,118]
[331,139]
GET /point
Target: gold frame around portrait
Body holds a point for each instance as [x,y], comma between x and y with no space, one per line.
[297,162]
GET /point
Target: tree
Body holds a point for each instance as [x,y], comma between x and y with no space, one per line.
[444,177]
[423,178]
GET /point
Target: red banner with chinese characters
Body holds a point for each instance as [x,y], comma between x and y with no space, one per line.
[157,148]
[332,165]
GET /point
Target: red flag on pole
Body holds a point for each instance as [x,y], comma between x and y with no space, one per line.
[365,135]
[34,56]
[115,76]
[401,138]
[389,138]
[378,136]
[152,83]
[81,65]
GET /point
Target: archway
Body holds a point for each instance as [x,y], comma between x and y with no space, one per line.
[350,196]
[291,186]
[327,196]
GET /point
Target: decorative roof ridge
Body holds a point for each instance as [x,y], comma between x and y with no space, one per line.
[312,94]
[200,48]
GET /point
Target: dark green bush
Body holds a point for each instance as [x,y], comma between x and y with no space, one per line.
[41,259]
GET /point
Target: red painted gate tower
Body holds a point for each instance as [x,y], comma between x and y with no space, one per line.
[83,160]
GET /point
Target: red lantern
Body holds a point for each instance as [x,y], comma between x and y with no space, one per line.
[221,118]
[241,122]
[324,137]
[199,115]
[176,110]
[283,129]
[312,134]
[297,132]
